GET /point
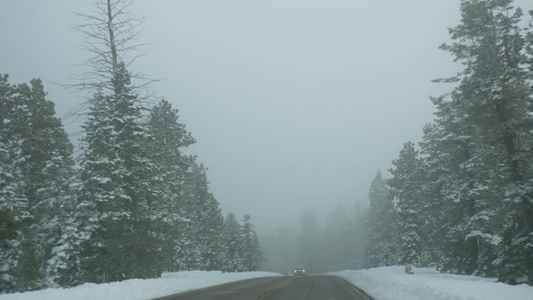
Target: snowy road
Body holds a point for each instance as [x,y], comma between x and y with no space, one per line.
[277,288]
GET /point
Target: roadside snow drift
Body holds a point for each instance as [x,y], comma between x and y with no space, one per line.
[392,283]
[389,283]
[139,289]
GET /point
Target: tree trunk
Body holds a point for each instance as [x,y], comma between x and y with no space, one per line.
[112,37]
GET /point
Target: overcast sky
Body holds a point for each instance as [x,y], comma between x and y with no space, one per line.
[294,104]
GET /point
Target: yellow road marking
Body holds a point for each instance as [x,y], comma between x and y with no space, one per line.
[273,289]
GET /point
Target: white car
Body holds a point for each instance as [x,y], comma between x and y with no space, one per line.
[299,271]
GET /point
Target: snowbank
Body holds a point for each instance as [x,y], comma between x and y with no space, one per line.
[392,283]
[137,289]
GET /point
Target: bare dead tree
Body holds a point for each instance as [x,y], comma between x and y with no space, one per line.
[110,35]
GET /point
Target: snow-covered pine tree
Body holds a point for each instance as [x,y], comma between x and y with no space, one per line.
[48,167]
[406,188]
[19,269]
[187,250]
[380,245]
[56,228]
[494,95]
[97,188]
[463,207]
[252,254]
[200,245]
[215,247]
[43,138]
[443,152]
[516,257]
[116,188]
[233,244]
[449,147]
[63,268]
[187,255]
[209,221]
[168,137]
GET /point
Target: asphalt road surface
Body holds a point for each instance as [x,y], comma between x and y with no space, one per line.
[278,288]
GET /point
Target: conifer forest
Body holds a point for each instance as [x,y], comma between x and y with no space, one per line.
[126,199]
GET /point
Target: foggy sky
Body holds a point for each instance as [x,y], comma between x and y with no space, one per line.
[294,104]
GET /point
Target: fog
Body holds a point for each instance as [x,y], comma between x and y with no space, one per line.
[294,105]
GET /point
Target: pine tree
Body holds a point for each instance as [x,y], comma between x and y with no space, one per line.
[201,242]
[209,221]
[493,99]
[55,230]
[43,137]
[116,190]
[380,236]
[64,267]
[439,162]
[187,253]
[252,254]
[98,187]
[136,242]
[47,165]
[407,189]
[462,191]
[233,244]
[168,137]
[211,231]
[19,268]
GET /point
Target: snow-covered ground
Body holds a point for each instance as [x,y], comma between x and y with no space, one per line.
[139,289]
[392,283]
